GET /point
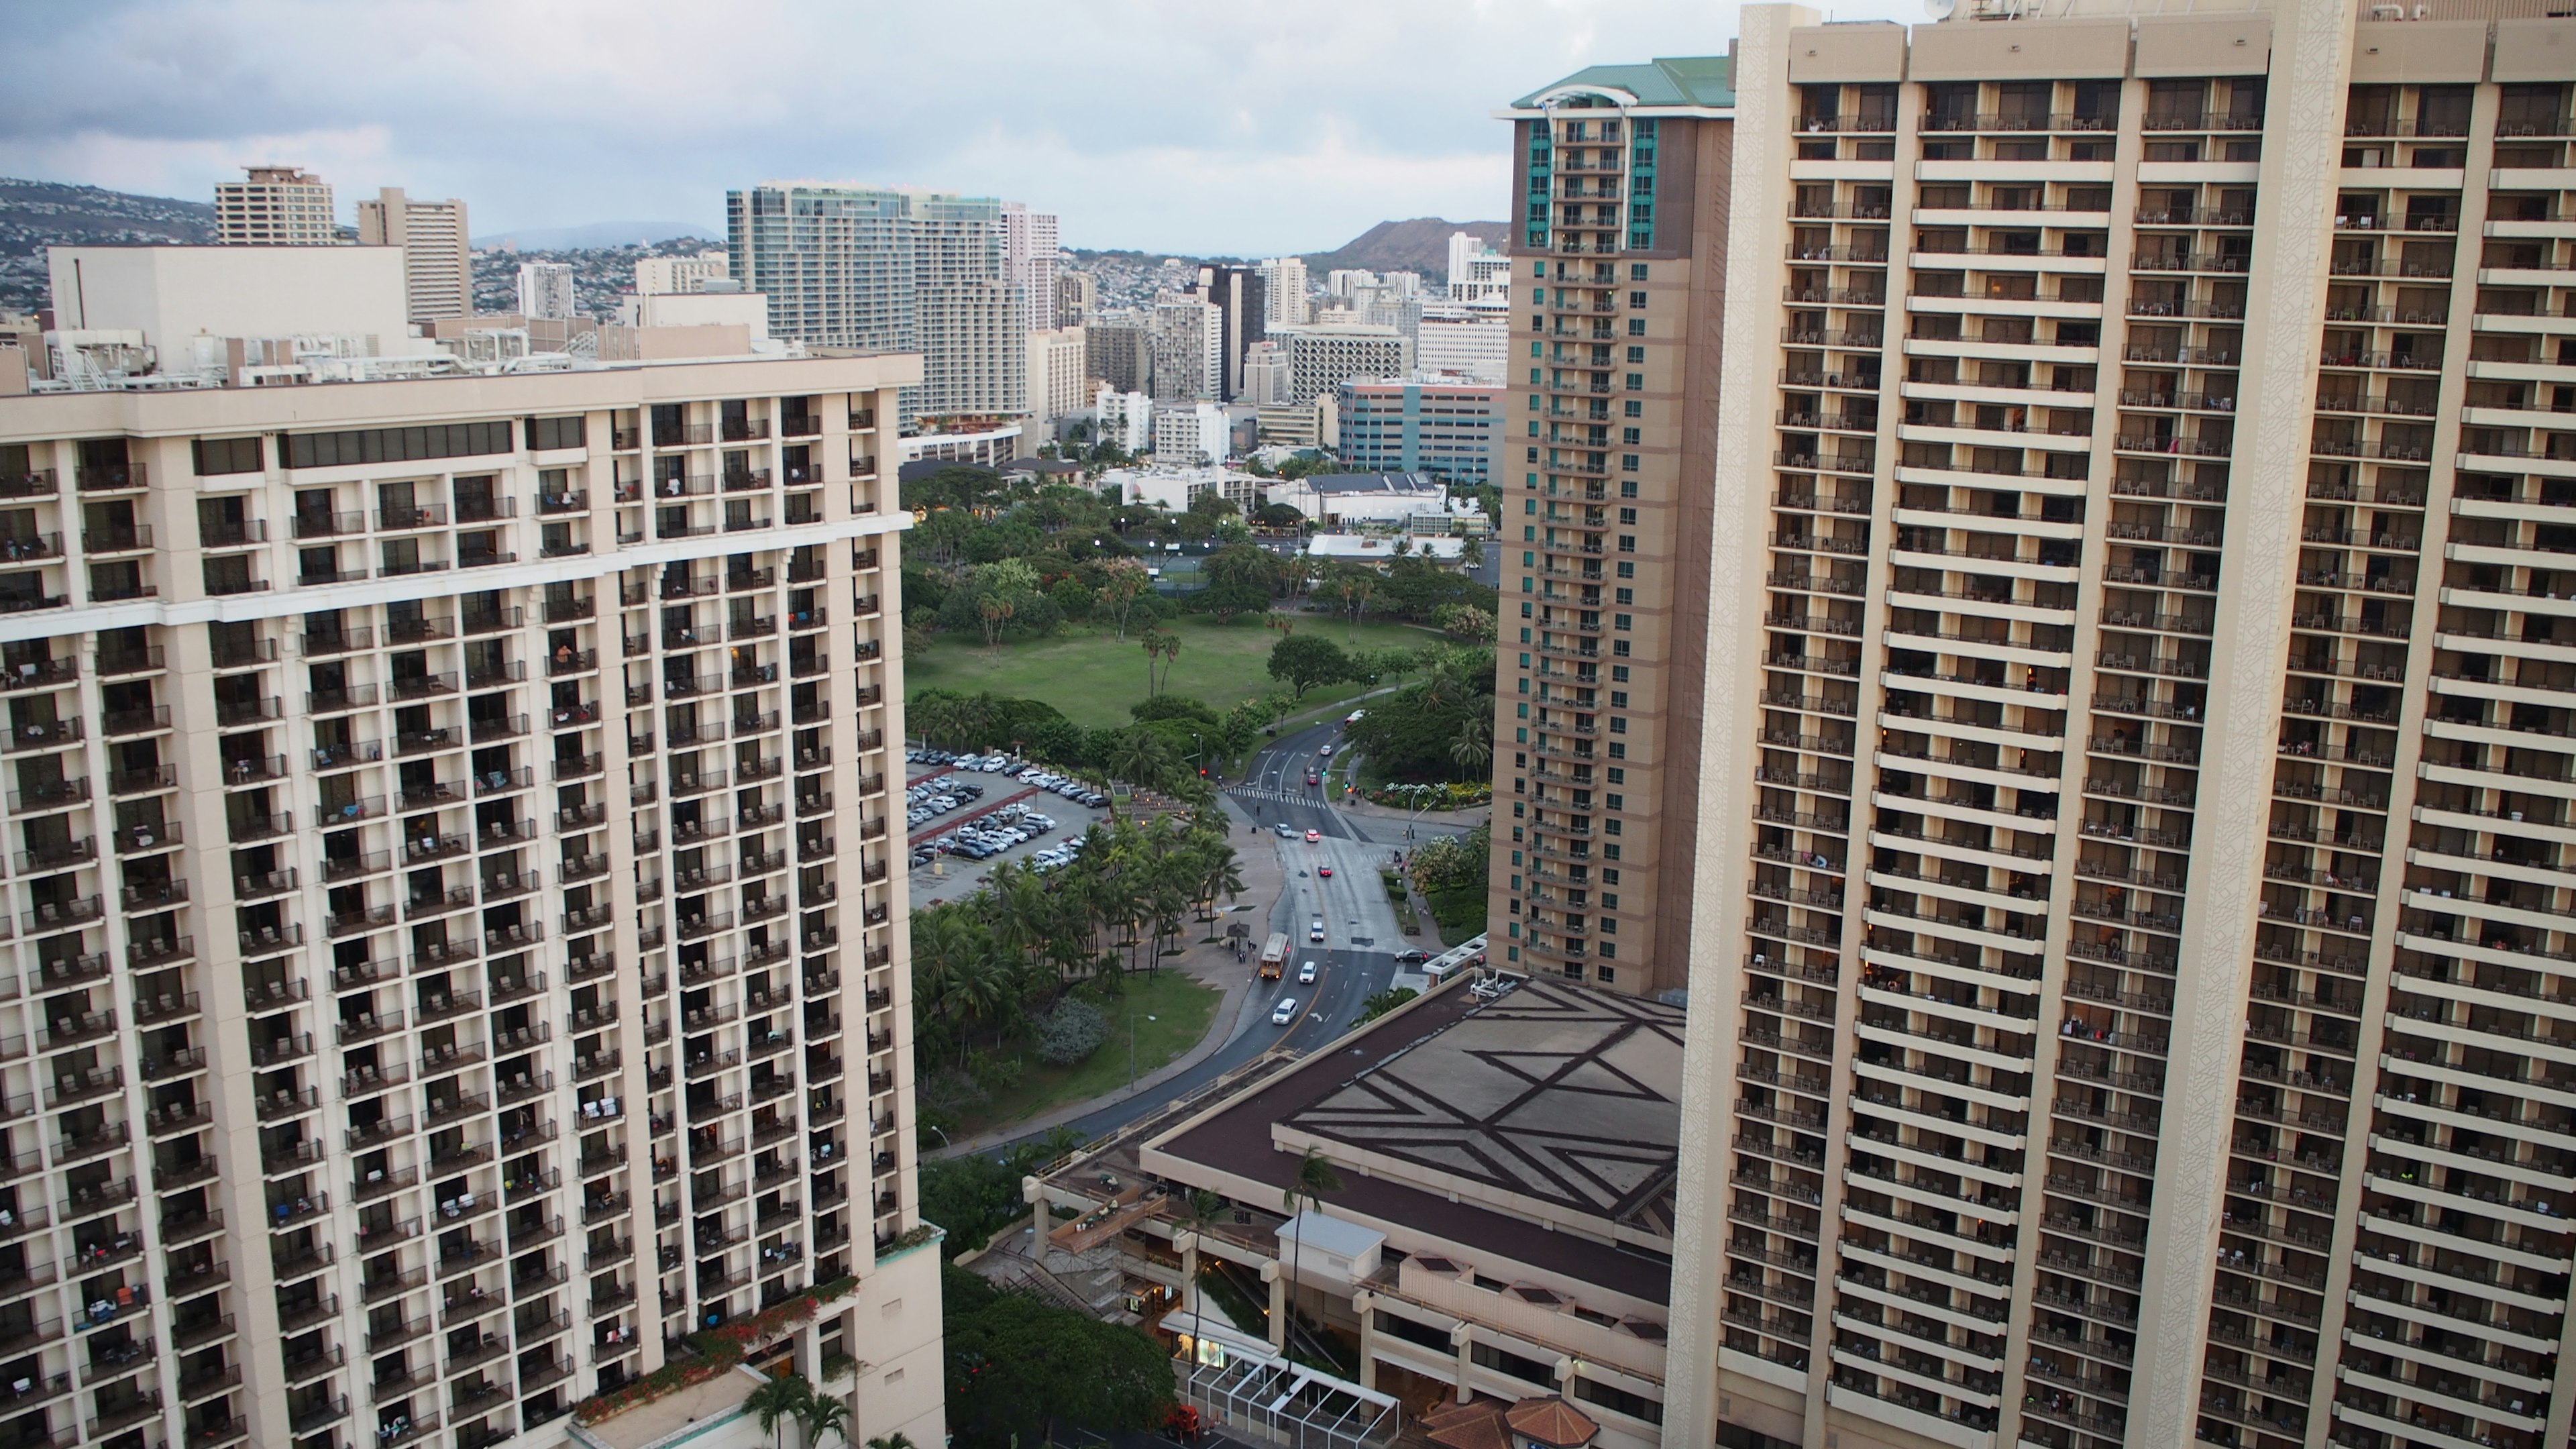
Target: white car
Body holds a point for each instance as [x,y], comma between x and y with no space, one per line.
[1285,1012]
[1326,752]
[1306,974]
[1315,932]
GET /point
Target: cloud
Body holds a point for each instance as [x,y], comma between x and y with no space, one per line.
[1174,125]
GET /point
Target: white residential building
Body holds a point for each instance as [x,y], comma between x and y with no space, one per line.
[1029,262]
[1192,434]
[1284,304]
[438,274]
[507,977]
[1124,419]
[1267,378]
[1057,377]
[1189,348]
[658,276]
[275,206]
[545,290]
[1477,272]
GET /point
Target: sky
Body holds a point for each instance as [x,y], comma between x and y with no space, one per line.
[1199,128]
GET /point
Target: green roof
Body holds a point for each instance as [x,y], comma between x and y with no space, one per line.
[1690,80]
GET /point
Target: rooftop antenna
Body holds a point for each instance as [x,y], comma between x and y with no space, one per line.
[1939,9]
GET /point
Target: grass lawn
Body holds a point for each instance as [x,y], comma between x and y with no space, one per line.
[1093,677]
[1181,1009]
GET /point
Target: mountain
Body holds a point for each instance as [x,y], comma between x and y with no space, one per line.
[1420,245]
[38,214]
[601,234]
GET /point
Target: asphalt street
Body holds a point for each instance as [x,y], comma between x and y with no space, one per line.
[1361,934]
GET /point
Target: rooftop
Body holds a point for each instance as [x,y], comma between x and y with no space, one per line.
[1389,483]
[1689,82]
[1554,1104]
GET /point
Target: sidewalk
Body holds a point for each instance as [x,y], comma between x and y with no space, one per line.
[1263,884]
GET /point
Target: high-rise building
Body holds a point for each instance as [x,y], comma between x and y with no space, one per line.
[664,276]
[1059,381]
[1077,297]
[1267,376]
[1188,335]
[1445,428]
[468,1029]
[1321,358]
[877,268]
[2151,1038]
[1029,262]
[438,270]
[1237,293]
[546,290]
[1468,340]
[275,206]
[1478,274]
[1118,349]
[1606,519]
[1283,293]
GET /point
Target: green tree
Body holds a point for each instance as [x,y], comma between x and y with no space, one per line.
[1304,662]
[1314,1178]
[1199,1213]
[824,1415]
[778,1401]
[1020,1370]
[1123,580]
[1474,748]
[1386,1001]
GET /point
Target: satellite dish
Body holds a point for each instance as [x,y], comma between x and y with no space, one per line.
[1940,9]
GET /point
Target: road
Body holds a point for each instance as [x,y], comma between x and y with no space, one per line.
[1361,935]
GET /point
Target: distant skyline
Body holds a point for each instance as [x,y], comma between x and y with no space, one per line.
[1147,124]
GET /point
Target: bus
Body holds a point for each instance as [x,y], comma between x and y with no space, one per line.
[1274,956]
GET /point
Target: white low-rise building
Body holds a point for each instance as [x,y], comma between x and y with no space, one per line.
[1168,487]
[1348,498]
[1192,434]
[1126,419]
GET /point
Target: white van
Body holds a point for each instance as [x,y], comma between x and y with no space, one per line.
[1285,1012]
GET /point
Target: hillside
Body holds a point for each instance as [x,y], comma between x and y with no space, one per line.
[1420,245]
[38,214]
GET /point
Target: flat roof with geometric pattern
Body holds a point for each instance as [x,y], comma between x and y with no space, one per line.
[1556,1096]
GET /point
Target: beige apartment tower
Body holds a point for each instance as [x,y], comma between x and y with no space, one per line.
[452,949]
[2145,431]
[438,272]
[275,206]
[1619,257]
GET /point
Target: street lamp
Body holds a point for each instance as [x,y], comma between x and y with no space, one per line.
[1131,1049]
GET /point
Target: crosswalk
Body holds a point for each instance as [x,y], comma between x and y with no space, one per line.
[1309,795]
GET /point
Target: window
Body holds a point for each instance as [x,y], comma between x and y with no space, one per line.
[1605,975]
[547,434]
[216,456]
[1628,464]
[1619,621]
[1619,647]
[1502,1361]
[1637,327]
[396,445]
[1618,674]
[1618,1401]
[1636,382]
[1617,777]
[1635,409]
[1636,299]
[1636,271]
[1627,570]
[1636,354]
[1631,436]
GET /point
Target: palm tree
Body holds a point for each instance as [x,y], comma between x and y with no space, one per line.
[890,1441]
[1474,747]
[1315,1177]
[1141,757]
[779,1400]
[823,1415]
[1200,1213]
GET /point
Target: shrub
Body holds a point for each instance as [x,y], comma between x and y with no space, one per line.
[1071,1032]
[952,1093]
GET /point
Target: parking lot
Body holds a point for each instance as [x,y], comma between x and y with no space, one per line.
[968,814]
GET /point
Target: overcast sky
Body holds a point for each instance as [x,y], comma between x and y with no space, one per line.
[1165,126]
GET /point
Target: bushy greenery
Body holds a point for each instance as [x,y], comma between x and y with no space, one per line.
[1071,1032]
[1021,1371]
[1440,729]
